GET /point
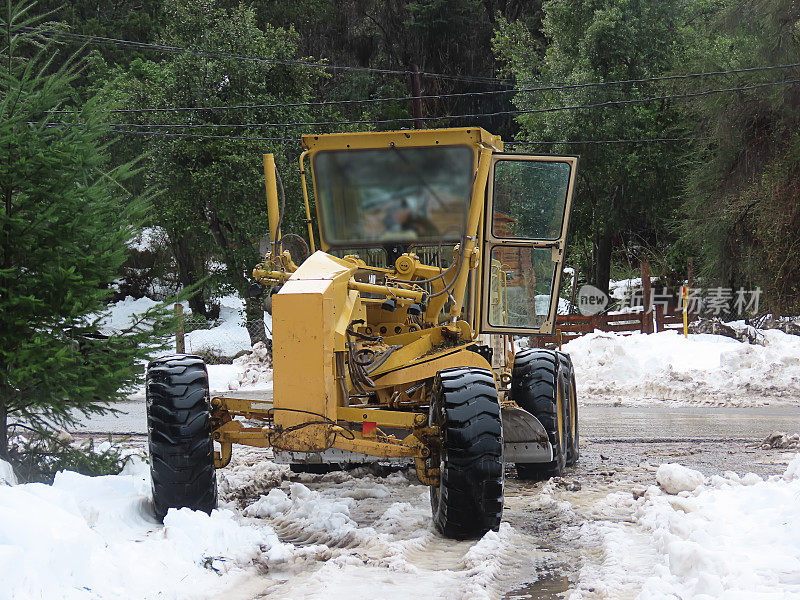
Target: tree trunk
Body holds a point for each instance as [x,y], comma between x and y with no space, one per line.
[254,313]
[602,261]
[3,429]
[187,276]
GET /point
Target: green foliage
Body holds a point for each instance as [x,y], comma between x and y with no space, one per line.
[211,201]
[65,218]
[742,210]
[40,458]
[625,190]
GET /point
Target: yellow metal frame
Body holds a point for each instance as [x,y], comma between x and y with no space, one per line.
[327,320]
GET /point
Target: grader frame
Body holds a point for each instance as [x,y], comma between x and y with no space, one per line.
[391,361]
[322,313]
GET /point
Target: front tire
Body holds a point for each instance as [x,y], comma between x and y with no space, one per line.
[179,435]
[468,501]
[538,386]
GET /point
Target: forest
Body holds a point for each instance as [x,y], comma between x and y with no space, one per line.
[684,115]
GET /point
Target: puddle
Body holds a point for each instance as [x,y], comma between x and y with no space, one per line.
[550,585]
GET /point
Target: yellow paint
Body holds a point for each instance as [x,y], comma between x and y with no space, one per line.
[384,418]
[271,183]
[320,299]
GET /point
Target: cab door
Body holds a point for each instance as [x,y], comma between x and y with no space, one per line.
[527,216]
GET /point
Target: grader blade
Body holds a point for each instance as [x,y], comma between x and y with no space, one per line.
[525,438]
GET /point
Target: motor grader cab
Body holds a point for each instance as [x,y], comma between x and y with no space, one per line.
[394,340]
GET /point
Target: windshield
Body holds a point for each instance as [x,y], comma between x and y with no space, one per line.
[393,194]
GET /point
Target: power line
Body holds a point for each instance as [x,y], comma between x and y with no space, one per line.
[100,40]
[467,78]
[508,143]
[208,137]
[577,142]
[526,90]
[607,104]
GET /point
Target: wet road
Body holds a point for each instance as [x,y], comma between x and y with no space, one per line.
[597,422]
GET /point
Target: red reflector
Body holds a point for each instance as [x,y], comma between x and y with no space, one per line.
[368,427]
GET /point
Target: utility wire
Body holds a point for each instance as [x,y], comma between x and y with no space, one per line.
[576,142]
[297,140]
[210,137]
[91,39]
[525,90]
[607,104]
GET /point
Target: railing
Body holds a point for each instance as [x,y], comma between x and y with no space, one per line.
[570,327]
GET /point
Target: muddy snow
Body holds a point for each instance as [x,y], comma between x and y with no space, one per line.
[630,521]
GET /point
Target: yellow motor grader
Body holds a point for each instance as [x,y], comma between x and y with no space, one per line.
[395,339]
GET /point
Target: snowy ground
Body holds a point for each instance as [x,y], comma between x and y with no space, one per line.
[617,526]
[701,369]
[228,337]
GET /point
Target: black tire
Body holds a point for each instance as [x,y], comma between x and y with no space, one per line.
[179,435]
[571,406]
[537,385]
[468,501]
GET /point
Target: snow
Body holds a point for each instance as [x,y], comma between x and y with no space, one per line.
[674,478]
[703,368]
[624,288]
[121,315]
[7,476]
[228,337]
[148,239]
[94,538]
[727,537]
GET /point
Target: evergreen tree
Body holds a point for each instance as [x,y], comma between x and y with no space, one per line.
[65,219]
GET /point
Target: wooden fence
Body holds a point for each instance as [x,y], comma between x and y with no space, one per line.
[569,327]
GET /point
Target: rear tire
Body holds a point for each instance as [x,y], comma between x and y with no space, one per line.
[468,501]
[179,435]
[571,405]
[538,386]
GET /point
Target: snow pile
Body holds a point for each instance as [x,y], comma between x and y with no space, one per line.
[94,537]
[255,369]
[731,537]
[121,315]
[625,288]
[674,478]
[703,368]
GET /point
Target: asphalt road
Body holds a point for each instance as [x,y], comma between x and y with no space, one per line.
[597,422]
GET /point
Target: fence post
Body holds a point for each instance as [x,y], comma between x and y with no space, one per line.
[647,298]
[574,285]
[180,341]
[659,318]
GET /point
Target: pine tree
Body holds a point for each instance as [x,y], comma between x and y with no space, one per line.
[65,218]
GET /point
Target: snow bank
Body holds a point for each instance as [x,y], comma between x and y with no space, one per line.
[730,537]
[93,537]
[703,368]
[254,370]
